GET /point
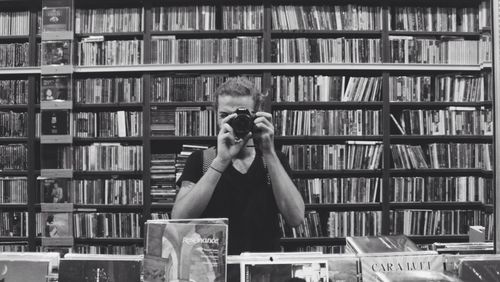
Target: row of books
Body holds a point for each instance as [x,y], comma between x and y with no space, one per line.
[326,50]
[324,249]
[442,189]
[183,121]
[452,19]
[249,17]
[13,157]
[14,23]
[107,225]
[92,192]
[109,20]
[109,90]
[340,190]
[169,50]
[486,48]
[14,55]
[13,224]
[188,88]
[13,190]
[108,124]
[441,88]
[96,52]
[328,122]
[434,222]
[13,124]
[326,88]
[334,17]
[14,91]
[165,171]
[441,155]
[334,157]
[183,18]
[108,249]
[107,156]
[338,224]
[408,49]
[13,247]
[452,121]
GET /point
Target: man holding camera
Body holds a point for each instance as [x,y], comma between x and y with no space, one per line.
[247,181]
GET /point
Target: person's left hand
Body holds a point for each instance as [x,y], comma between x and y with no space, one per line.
[264,133]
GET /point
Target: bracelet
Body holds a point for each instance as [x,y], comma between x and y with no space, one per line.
[215,169]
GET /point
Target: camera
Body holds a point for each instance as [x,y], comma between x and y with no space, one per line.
[242,124]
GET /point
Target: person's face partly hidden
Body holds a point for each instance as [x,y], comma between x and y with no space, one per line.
[229,104]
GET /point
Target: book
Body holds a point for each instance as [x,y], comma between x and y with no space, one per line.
[107,225]
[14,23]
[479,269]
[55,122]
[415,276]
[14,91]
[102,268]
[14,55]
[56,53]
[56,88]
[13,224]
[54,190]
[380,244]
[193,249]
[13,190]
[22,271]
[14,157]
[56,19]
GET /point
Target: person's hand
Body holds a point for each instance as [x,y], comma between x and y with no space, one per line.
[227,145]
[264,133]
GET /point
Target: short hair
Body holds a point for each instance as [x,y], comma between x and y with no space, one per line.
[239,87]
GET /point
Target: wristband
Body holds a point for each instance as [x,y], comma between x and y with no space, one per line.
[215,169]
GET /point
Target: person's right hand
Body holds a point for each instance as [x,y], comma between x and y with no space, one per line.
[227,145]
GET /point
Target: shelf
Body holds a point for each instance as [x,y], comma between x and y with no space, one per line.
[108,106]
[181,104]
[440,172]
[112,35]
[276,67]
[207,33]
[14,38]
[14,207]
[108,208]
[467,35]
[441,138]
[306,139]
[437,205]
[162,206]
[329,105]
[108,140]
[14,173]
[424,239]
[13,107]
[13,239]
[111,241]
[345,207]
[439,105]
[20,70]
[326,33]
[8,140]
[185,138]
[336,173]
[313,241]
[108,174]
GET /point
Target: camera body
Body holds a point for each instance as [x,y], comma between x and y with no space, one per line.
[242,124]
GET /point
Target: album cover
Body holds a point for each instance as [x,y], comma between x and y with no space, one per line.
[82,270]
[56,52]
[485,268]
[56,225]
[415,276]
[380,244]
[55,122]
[23,271]
[56,19]
[56,88]
[287,272]
[54,190]
[185,250]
